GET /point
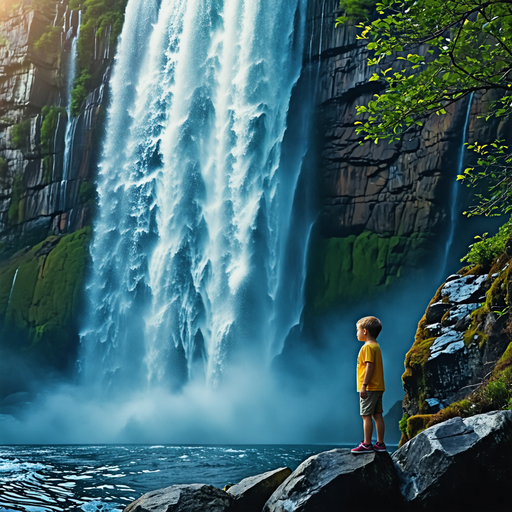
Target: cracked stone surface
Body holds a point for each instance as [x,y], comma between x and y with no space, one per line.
[433,466]
[319,483]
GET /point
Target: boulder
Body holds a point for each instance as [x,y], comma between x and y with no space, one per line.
[251,493]
[461,464]
[183,498]
[337,480]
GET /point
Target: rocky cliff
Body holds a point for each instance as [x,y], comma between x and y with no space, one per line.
[385,210]
[48,159]
[461,361]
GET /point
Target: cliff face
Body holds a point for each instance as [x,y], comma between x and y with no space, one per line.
[385,209]
[47,169]
[461,361]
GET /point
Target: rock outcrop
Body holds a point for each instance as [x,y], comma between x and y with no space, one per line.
[461,464]
[183,498]
[336,480]
[251,494]
[461,361]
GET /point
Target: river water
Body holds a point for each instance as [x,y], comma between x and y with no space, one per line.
[38,478]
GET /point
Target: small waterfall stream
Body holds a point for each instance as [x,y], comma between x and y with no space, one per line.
[194,200]
[454,197]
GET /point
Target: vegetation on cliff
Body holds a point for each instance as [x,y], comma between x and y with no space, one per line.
[98,16]
[40,296]
[487,329]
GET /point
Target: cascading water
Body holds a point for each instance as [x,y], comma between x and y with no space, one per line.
[74,34]
[194,201]
[454,198]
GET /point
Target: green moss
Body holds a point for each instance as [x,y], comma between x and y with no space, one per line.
[49,41]
[86,194]
[417,424]
[97,16]
[49,126]
[402,425]
[15,211]
[46,296]
[342,270]
[20,135]
[474,336]
[4,169]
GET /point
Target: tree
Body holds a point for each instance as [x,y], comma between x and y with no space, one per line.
[450,49]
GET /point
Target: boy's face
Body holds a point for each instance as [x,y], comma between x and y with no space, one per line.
[361,333]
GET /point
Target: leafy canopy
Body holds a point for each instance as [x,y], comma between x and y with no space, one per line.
[449,50]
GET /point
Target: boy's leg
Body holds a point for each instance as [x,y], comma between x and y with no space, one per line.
[368,429]
[379,426]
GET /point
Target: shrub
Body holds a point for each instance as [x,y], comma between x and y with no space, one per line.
[497,393]
[402,425]
[20,135]
[48,127]
[49,40]
[486,250]
[97,15]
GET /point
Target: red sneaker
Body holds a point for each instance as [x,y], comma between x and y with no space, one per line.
[380,447]
[362,448]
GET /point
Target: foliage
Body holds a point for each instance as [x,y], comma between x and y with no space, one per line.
[355,10]
[20,135]
[450,49]
[49,40]
[497,393]
[48,126]
[4,169]
[402,425]
[79,92]
[17,193]
[97,16]
[486,250]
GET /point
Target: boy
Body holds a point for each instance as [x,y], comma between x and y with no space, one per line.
[370,384]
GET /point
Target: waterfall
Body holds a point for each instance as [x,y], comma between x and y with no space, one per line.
[71,124]
[454,197]
[10,293]
[195,202]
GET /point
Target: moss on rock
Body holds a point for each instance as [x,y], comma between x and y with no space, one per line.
[343,270]
[39,307]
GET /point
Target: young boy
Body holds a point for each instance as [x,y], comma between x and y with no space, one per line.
[370,384]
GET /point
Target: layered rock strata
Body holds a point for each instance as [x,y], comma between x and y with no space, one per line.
[385,209]
[40,192]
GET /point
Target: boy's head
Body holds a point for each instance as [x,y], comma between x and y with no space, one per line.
[371,324]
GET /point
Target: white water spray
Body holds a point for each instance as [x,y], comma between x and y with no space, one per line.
[187,254]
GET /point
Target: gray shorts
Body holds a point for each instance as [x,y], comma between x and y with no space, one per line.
[372,404]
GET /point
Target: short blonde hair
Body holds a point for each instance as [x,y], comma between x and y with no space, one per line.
[371,324]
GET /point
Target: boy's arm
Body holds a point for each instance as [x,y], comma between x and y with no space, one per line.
[366,378]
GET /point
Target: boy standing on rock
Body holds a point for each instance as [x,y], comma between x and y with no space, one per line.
[370,384]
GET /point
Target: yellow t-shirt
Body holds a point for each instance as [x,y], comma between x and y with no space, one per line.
[370,352]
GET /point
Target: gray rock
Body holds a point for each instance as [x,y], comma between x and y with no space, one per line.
[436,311]
[461,464]
[466,289]
[183,498]
[251,493]
[337,480]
